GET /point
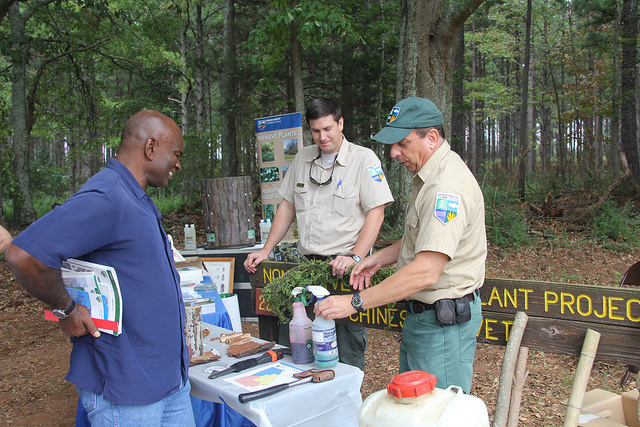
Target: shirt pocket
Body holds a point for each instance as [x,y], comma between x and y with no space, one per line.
[345,201]
[301,198]
[412,219]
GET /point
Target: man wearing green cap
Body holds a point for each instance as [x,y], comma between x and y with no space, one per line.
[440,259]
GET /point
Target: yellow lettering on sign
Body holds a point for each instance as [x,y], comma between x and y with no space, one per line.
[495,295]
[507,324]
[513,298]
[526,293]
[550,297]
[589,305]
[564,296]
[633,319]
[613,308]
[604,308]
[488,329]
[269,275]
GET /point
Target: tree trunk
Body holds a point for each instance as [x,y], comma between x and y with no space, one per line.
[628,119]
[23,210]
[614,157]
[457,115]
[523,107]
[200,70]
[428,31]
[296,65]
[228,92]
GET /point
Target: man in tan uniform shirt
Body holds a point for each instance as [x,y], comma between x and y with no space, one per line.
[440,259]
[338,192]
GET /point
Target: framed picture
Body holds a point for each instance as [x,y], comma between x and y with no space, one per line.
[221,272]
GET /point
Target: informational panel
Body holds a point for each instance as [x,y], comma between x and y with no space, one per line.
[279,139]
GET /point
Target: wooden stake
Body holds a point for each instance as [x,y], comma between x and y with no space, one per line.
[583,371]
[508,368]
[518,385]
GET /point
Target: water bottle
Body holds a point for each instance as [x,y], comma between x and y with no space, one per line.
[300,335]
[325,340]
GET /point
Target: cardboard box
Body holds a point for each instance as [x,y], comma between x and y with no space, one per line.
[630,407]
[601,408]
[604,403]
[192,261]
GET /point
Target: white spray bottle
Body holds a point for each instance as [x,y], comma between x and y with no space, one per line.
[300,335]
[325,341]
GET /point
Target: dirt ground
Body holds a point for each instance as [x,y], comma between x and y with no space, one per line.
[34,353]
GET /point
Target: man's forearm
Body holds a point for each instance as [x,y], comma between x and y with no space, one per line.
[369,232]
[39,280]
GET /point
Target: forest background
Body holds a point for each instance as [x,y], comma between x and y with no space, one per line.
[539,97]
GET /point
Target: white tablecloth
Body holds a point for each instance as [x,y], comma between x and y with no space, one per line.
[332,403]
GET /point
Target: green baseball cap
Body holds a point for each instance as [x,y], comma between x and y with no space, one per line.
[407,115]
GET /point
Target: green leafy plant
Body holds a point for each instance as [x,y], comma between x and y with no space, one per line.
[506,225]
[616,225]
[308,272]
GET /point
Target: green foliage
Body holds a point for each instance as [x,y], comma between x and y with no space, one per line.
[507,226]
[616,226]
[309,272]
[170,203]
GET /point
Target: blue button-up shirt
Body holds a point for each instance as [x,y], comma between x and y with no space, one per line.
[112,221]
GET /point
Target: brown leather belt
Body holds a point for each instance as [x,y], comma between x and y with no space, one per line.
[416,307]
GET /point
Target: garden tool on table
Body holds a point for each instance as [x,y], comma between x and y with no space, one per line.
[266,357]
[310,375]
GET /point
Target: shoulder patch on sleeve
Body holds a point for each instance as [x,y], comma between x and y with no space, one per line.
[447,207]
[375,171]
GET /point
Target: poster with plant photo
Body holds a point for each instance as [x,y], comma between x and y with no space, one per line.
[279,139]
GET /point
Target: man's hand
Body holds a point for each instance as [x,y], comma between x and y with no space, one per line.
[340,265]
[335,307]
[363,272]
[79,323]
[253,259]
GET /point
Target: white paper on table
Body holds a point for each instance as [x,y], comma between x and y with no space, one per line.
[265,376]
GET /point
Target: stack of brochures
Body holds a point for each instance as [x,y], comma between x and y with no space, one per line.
[96,287]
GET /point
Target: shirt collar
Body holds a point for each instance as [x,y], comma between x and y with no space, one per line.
[433,161]
[128,177]
[343,154]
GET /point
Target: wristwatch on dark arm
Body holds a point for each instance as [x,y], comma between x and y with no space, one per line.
[355,257]
[356,302]
[63,314]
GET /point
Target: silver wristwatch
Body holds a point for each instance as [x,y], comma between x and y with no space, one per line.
[63,314]
[355,257]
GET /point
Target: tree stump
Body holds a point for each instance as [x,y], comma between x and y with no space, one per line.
[228,211]
[193,329]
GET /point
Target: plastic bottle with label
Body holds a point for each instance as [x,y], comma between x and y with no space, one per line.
[265,228]
[300,335]
[325,340]
[190,236]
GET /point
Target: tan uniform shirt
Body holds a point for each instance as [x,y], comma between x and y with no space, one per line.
[331,216]
[446,215]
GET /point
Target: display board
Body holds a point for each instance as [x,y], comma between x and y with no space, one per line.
[279,139]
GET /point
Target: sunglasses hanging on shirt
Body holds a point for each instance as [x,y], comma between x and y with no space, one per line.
[330,176]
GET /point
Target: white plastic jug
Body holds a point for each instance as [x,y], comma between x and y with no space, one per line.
[411,399]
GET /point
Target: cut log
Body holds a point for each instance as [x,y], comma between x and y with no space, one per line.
[193,329]
[228,211]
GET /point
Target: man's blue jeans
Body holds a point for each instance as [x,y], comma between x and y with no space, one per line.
[174,410]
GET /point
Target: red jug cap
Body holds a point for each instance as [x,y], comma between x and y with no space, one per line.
[411,384]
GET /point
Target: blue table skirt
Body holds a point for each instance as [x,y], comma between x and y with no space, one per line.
[206,414]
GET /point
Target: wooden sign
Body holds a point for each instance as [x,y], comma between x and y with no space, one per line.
[559,313]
